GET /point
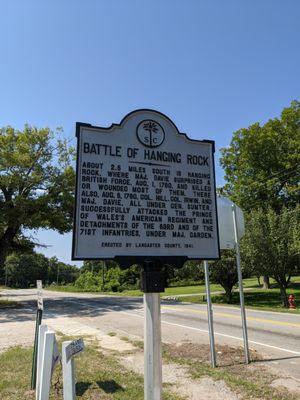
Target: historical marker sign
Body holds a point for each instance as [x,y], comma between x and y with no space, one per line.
[144,189]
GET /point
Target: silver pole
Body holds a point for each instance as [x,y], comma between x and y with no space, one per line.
[241,290]
[210,316]
[152,347]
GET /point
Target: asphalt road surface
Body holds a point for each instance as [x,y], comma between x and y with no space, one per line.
[276,336]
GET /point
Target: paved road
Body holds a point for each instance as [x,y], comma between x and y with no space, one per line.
[274,335]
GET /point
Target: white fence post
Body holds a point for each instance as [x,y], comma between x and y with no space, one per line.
[42,331]
[46,367]
[68,374]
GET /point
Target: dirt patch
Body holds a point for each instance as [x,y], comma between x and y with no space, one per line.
[16,334]
[226,355]
[292,385]
[69,326]
[180,381]
[253,381]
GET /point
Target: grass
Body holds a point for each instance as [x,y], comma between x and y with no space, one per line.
[4,303]
[7,303]
[259,298]
[99,376]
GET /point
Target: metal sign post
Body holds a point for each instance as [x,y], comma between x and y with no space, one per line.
[210,316]
[39,316]
[152,284]
[241,289]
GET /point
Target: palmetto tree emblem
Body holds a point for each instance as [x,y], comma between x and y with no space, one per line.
[150,133]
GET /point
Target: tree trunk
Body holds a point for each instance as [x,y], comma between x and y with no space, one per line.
[228,294]
[258,280]
[284,297]
[5,246]
[266,282]
[3,254]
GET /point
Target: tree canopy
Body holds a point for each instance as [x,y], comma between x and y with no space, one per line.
[262,163]
[271,245]
[224,272]
[23,270]
[36,186]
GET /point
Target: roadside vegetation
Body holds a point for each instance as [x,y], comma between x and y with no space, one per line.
[259,298]
[110,375]
[7,303]
[23,270]
[99,376]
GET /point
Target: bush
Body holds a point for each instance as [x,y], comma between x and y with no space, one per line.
[89,282]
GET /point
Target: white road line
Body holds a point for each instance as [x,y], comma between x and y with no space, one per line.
[287,314]
[206,331]
[220,334]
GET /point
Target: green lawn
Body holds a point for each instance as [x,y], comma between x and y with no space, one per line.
[258,298]
[7,303]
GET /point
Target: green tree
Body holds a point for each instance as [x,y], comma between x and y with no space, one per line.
[24,270]
[224,272]
[36,186]
[61,273]
[271,245]
[191,272]
[262,163]
[88,281]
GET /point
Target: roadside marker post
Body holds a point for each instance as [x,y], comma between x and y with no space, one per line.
[152,347]
[47,366]
[210,316]
[39,316]
[69,350]
[145,194]
[152,284]
[241,289]
[41,341]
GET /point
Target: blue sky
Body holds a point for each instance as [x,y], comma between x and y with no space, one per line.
[211,66]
